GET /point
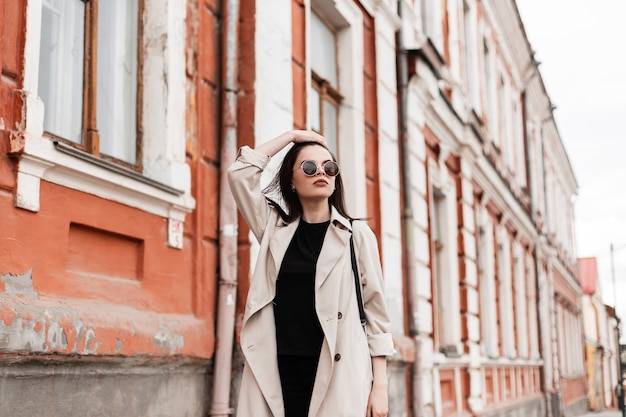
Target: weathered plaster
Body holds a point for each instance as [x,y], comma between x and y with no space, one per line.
[21,284]
[87,328]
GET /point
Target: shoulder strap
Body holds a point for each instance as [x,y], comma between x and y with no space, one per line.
[357,282]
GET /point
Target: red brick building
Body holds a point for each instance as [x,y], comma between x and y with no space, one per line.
[109,256]
[124,266]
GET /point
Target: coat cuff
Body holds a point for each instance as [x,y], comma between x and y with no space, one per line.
[380,344]
[248,155]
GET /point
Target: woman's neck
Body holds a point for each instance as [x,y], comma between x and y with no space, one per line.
[315,212]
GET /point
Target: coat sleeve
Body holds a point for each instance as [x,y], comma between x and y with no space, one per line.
[244,178]
[378,322]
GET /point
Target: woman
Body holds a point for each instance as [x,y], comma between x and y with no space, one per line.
[305,351]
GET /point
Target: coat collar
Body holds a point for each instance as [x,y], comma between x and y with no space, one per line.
[336,219]
[284,233]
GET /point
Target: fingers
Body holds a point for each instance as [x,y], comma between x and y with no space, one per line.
[376,410]
[308,136]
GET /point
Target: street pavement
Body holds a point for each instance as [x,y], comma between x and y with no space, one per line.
[611,413]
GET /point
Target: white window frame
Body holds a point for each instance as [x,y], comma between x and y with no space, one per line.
[432,15]
[471,54]
[518,137]
[446,269]
[506,293]
[521,311]
[531,282]
[490,88]
[163,187]
[488,313]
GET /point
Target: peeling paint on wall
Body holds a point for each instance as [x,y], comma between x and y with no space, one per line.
[91,346]
[49,330]
[57,339]
[46,326]
[21,284]
[23,334]
[167,341]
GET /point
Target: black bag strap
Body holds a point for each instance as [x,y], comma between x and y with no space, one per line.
[357,283]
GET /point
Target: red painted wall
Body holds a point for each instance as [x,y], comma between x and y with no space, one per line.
[370,97]
[12,16]
[245,136]
[102,275]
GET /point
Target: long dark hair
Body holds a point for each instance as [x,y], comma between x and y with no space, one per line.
[281,185]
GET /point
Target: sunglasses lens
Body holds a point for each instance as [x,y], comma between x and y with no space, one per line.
[331,168]
[309,168]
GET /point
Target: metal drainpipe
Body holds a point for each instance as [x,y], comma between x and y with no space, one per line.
[549,384]
[542,324]
[416,376]
[227,289]
[546,383]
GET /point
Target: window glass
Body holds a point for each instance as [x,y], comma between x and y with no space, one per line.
[323,50]
[330,125]
[61,67]
[88,74]
[117,78]
[324,96]
[314,110]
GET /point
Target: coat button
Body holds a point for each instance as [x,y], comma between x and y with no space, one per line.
[337,357]
[339,316]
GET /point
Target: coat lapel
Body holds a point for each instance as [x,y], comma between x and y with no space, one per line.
[279,242]
[335,244]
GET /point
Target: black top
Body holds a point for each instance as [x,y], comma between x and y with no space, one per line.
[298,330]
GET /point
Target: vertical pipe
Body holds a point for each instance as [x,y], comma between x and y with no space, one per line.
[613,279]
[227,289]
[620,379]
[402,63]
[542,326]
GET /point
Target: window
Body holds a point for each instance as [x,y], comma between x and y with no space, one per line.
[531,303]
[571,355]
[432,21]
[488,296]
[489,83]
[110,123]
[324,97]
[502,116]
[469,28]
[521,313]
[335,54]
[88,75]
[445,270]
[440,245]
[507,323]
[518,138]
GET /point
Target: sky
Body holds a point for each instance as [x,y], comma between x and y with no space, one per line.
[582,49]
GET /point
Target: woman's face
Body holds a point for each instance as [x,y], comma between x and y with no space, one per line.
[318,185]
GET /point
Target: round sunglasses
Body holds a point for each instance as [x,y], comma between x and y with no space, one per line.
[309,168]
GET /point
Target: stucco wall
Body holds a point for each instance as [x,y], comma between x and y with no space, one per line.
[96,388]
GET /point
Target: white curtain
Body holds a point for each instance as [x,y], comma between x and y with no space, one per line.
[61,67]
[117,78]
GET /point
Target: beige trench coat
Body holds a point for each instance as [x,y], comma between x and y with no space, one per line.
[344,374]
